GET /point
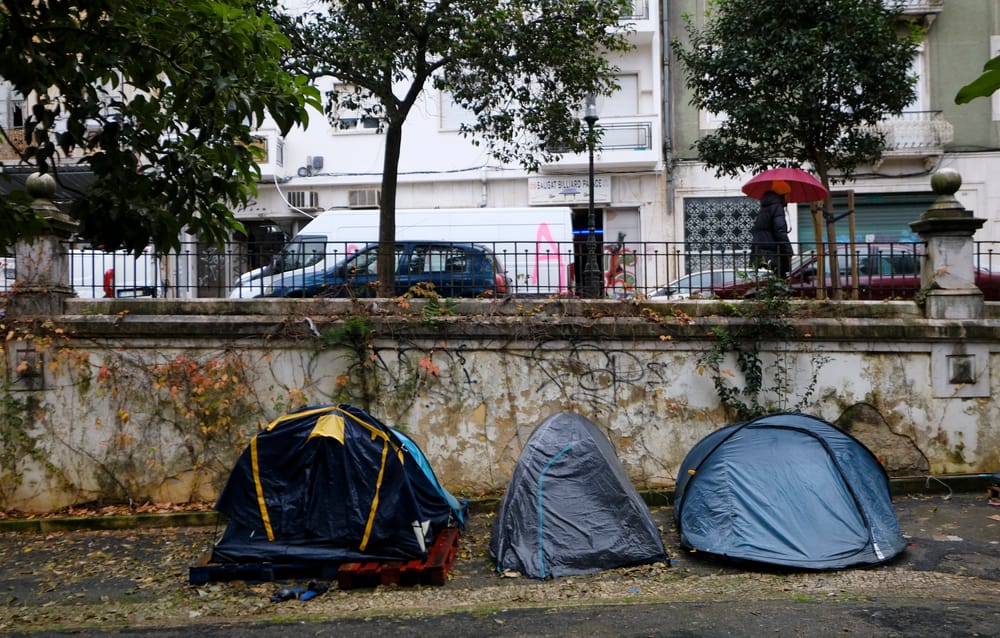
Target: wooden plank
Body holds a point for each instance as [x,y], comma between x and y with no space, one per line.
[431,571]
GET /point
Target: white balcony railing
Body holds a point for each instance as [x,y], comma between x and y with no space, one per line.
[634,136]
[640,11]
[919,7]
[625,142]
[916,132]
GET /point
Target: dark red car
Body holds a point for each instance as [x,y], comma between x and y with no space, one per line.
[884,271]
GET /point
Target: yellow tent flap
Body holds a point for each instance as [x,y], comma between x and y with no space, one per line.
[329,425]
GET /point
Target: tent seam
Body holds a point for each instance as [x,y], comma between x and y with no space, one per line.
[541,514]
[259,487]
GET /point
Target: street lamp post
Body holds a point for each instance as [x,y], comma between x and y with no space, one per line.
[591,271]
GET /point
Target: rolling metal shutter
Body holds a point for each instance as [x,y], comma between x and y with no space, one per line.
[878,217]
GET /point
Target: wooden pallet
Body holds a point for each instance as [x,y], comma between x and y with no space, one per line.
[432,571]
[205,571]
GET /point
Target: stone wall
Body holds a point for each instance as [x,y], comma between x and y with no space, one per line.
[155,399]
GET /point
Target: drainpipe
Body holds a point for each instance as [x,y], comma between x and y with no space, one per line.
[485,185]
[666,122]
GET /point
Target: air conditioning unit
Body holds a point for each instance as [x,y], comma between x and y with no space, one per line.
[304,200]
[363,198]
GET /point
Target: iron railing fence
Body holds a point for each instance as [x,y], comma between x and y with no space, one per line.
[668,270]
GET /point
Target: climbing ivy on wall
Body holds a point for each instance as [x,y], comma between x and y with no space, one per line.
[766,380]
[205,402]
[142,407]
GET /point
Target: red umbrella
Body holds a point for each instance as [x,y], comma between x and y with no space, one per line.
[805,187]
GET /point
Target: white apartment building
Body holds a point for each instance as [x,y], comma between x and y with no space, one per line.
[324,167]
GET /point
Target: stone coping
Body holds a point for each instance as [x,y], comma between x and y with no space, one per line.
[966,483]
[510,319]
[515,307]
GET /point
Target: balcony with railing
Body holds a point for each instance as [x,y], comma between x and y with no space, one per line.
[919,7]
[642,19]
[916,134]
[639,11]
[625,143]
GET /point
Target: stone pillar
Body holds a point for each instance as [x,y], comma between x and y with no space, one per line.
[947,275]
[43,278]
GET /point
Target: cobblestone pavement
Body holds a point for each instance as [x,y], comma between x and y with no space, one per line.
[93,581]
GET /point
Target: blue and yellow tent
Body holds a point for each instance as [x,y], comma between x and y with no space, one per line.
[331,483]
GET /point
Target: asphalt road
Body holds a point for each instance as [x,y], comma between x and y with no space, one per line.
[946,583]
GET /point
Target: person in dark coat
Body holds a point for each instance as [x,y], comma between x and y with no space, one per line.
[770,247]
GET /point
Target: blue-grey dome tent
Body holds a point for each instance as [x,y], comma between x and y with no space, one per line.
[333,484]
[786,489]
[570,508]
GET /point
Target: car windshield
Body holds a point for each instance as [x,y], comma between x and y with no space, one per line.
[301,252]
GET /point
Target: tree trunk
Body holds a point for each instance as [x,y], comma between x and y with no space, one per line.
[831,263]
[387,210]
[831,237]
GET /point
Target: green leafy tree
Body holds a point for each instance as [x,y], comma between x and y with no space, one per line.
[983,86]
[161,96]
[521,68]
[801,82]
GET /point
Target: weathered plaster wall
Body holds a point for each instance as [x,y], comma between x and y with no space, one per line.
[113,420]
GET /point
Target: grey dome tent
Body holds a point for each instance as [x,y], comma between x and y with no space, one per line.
[332,484]
[570,508]
[786,489]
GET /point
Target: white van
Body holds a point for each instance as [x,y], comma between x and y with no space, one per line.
[97,274]
[8,273]
[534,245]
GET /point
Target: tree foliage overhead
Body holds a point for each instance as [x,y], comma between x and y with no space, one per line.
[162,97]
[983,86]
[521,68]
[799,82]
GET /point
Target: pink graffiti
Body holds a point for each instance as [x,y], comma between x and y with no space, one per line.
[547,249]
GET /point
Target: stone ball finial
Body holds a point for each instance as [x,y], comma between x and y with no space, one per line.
[946,214]
[946,181]
[41,185]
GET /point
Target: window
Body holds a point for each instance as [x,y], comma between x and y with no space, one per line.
[436,259]
[12,107]
[452,115]
[918,69]
[710,121]
[366,262]
[13,110]
[717,231]
[624,102]
[355,111]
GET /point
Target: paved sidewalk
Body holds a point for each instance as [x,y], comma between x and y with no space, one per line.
[103,580]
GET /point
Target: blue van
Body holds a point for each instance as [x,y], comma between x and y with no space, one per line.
[454,270]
